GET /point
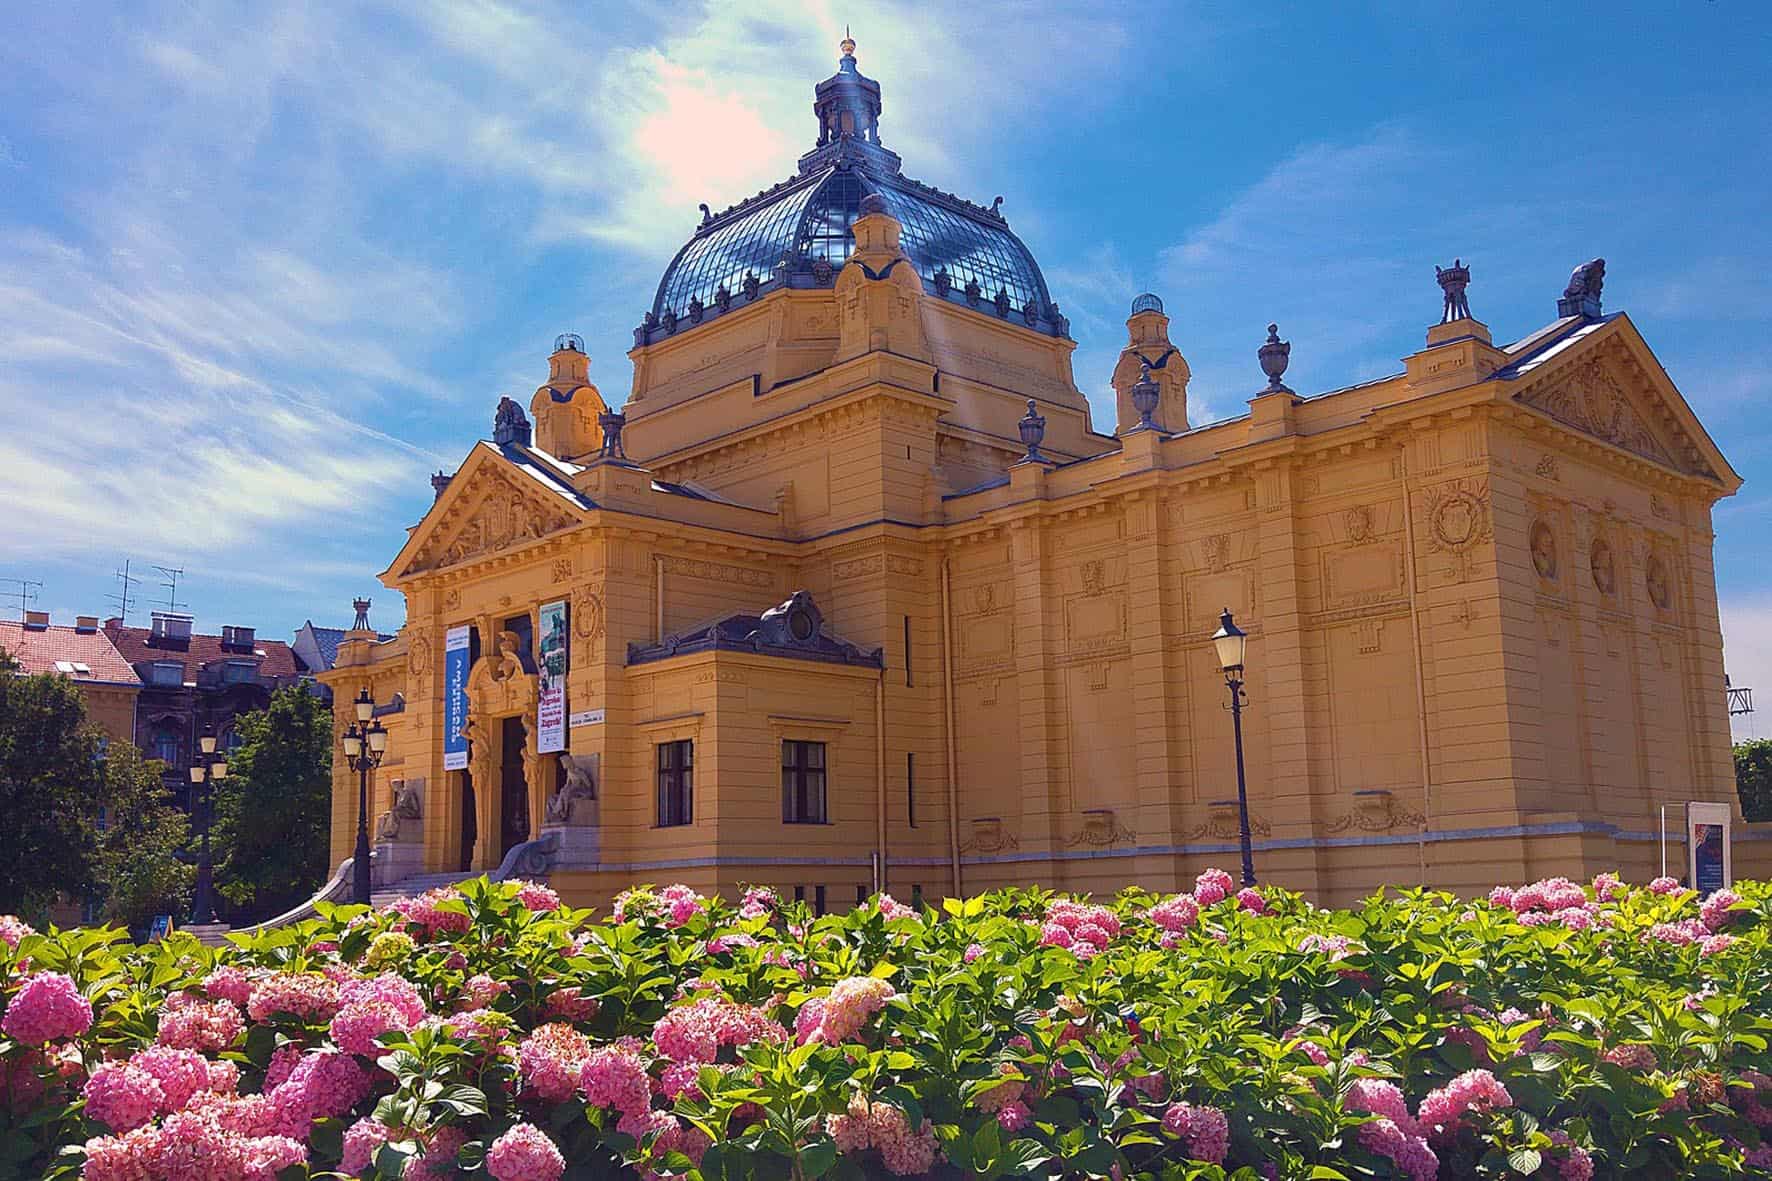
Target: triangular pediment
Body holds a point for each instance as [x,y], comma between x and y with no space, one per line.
[489,506]
[1610,387]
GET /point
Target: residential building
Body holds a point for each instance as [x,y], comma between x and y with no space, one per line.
[85,655]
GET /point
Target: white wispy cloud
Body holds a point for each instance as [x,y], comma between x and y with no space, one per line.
[1747,656]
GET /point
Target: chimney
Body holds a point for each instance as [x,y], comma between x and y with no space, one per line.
[36,621]
[86,625]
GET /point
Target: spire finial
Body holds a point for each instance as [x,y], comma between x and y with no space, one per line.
[1453,280]
[1274,356]
[848,43]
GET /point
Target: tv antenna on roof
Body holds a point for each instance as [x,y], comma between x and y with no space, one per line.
[26,590]
[171,585]
[125,581]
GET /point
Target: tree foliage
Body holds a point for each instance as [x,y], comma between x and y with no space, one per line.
[274,809]
[51,786]
[140,860]
[1753,778]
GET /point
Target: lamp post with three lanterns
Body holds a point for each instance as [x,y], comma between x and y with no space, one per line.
[365,742]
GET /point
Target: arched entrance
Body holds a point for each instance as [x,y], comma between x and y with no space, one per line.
[502,790]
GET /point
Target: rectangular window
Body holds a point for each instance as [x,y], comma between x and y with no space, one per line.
[802,782]
[910,787]
[818,901]
[907,650]
[799,893]
[861,895]
[676,772]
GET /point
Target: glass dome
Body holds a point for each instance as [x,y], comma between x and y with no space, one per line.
[798,234]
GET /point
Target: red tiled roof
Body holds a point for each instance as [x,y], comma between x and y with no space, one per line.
[277,658]
[37,651]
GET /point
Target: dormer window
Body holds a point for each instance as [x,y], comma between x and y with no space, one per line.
[166,672]
[238,672]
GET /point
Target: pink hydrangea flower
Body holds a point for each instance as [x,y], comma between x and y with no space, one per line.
[1249,899]
[1608,887]
[1053,935]
[615,1076]
[13,929]
[841,1015]
[759,902]
[1664,886]
[123,1097]
[1680,934]
[229,983]
[1575,1163]
[1336,947]
[187,1023]
[427,912]
[850,1130]
[1375,1096]
[437,1161]
[357,1025]
[47,1007]
[307,995]
[362,1140]
[524,1154]
[182,1073]
[536,896]
[890,908]
[551,1059]
[1176,914]
[1716,944]
[323,1084]
[1715,911]
[1408,1150]
[1444,1109]
[1205,1130]
[973,951]
[905,1151]
[1502,896]
[1212,887]
[571,1004]
[1013,1117]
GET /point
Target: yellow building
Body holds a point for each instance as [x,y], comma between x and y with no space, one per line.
[858,595]
[85,655]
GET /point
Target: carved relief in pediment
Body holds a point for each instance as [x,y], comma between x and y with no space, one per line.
[489,515]
[1592,399]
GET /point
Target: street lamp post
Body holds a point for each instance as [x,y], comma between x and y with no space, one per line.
[204,772]
[1231,640]
[364,743]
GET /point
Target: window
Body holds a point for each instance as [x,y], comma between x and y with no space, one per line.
[910,788]
[676,766]
[167,672]
[818,901]
[237,672]
[164,746]
[802,782]
[232,740]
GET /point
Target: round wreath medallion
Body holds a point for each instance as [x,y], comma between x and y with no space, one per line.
[1457,518]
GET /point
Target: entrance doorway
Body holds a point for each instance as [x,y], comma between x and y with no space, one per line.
[469,823]
[513,807]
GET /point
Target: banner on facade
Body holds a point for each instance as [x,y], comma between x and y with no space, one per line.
[550,697]
[455,698]
[1707,847]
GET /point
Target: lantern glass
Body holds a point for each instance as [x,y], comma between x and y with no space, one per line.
[353,742]
[1230,640]
[365,706]
[218,770]
[378,738]
[207,742]
[197,773]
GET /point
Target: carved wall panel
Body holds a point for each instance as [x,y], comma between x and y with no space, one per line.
[1208,594]
[1363,576]
[1456,528]
[1103,770]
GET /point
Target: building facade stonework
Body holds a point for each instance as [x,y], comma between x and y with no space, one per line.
[858,596]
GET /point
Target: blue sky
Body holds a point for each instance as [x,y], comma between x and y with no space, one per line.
[263,267]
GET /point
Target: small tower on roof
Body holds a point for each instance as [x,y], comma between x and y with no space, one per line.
[1148,355]
[848,102]
[566,409]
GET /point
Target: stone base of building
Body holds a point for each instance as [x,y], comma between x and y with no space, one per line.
[1329,872]
[394,861]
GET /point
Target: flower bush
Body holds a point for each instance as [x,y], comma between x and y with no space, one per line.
[1553,1030]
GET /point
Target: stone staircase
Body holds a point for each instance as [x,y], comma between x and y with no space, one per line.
[410,887]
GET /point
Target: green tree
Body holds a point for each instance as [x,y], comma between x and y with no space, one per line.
[51,785]
[141,861]
[1753,778]
[274,809]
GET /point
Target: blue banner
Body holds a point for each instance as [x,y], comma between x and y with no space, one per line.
[455,698]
